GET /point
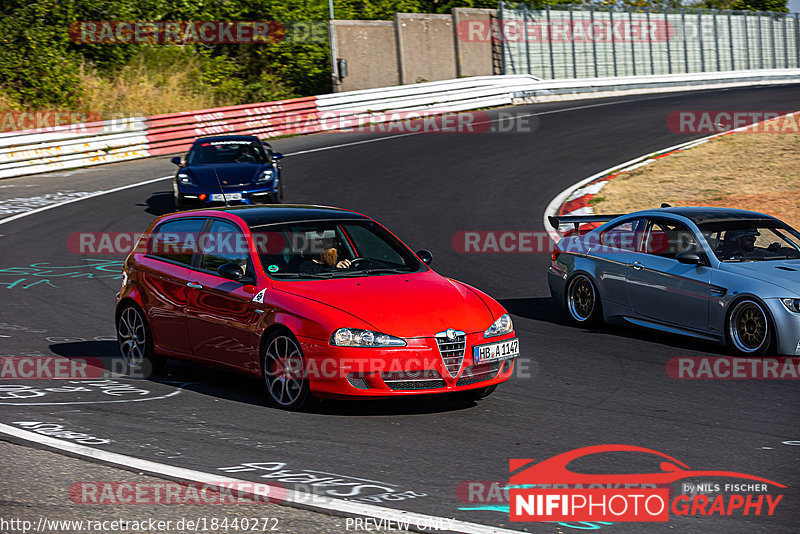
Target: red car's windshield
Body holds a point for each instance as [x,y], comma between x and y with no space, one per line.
[331,249]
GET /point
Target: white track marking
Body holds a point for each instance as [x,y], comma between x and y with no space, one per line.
[552,208]
[343,145]
[90,195]
[302,499]
[550,112]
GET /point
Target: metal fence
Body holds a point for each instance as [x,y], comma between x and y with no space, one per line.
[579,41]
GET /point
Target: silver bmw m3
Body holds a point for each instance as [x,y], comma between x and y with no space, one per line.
[725,275]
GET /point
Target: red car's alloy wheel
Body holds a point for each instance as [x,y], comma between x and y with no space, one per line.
[283,366]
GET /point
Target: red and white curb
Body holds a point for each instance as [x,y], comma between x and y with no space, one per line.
[576,199]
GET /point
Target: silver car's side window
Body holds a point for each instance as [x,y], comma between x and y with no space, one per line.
[623,236]
[669,238]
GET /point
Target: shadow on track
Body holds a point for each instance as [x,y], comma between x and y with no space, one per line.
[222,384]
[545,310]
[160,203]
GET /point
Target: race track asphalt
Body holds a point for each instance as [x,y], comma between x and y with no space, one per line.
[582,387]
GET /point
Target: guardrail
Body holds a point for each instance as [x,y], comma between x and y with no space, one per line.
[95,143]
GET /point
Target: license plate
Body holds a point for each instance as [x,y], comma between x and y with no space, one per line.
[496,351]
[219,197]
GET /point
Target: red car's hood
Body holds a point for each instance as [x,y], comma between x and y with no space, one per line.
[403,305]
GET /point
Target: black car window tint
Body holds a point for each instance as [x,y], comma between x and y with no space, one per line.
[176,240]
[223,243]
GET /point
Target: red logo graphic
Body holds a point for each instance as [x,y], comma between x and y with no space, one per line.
[531,502]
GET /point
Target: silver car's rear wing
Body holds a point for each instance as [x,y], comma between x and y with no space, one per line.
[578,220]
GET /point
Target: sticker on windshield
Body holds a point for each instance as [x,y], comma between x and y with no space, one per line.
[260,296]
[273,268]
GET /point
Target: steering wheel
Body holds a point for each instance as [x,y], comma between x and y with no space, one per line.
[354,261]
[774,247]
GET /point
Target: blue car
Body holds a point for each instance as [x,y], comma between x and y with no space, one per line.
[719,274]
[227,170]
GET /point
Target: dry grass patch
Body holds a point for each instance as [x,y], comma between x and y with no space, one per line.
[755,171]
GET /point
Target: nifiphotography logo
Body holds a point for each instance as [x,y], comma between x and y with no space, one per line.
[549,491]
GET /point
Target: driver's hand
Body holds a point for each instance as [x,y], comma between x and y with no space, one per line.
[774,247]
[344,264]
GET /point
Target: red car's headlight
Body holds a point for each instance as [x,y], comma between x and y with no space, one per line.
[503,325]
[355,337]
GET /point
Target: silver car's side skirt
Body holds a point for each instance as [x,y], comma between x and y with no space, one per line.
[673,329]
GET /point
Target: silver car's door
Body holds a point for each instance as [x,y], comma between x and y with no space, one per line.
[662,288]
[613,249]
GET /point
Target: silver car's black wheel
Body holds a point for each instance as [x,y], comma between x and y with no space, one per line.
[749,329]
[135,343]
[283,366]
[583,303]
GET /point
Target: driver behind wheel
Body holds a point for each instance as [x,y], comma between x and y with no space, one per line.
[325,261]
[739,243]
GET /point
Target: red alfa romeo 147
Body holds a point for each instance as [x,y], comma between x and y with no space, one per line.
[318,301]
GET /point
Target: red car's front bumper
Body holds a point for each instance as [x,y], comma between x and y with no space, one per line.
[415,369]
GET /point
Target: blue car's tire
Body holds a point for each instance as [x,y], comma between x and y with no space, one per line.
[749,328]
[582,301]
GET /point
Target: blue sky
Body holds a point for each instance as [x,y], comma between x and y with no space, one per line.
[794,6]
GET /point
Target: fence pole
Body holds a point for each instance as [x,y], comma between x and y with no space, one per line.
[633,42]
[700,37]
[502,36]
[525,35]
[746,40]
[669,55]
[613,40]
[685,44]
[550,43]
[730,39]
[650,41]
[760,42]
[572,40]
[716,39]
[797,37]
[772,38]
[785,43]
[594,41]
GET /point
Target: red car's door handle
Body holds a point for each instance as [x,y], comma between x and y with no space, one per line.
[194,286]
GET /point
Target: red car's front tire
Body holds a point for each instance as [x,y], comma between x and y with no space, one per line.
[283,368]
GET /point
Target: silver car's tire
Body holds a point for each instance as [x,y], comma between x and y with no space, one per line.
[284,370]
[583,300]
[749,328]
